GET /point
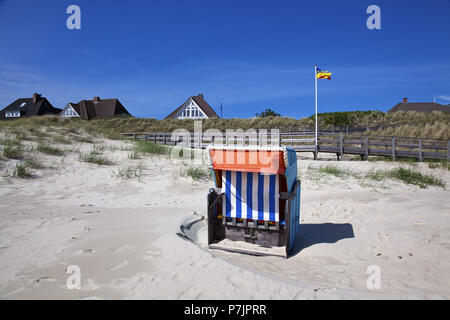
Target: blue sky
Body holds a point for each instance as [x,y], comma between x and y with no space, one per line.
[248,55]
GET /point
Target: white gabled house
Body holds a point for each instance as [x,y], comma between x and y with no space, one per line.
[69,111]
[194,107]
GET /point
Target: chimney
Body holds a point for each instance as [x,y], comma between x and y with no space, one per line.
[201,95]
[36,97]
[96,99]
[405,100]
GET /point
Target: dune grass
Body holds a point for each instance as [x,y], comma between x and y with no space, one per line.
[409,176]
[130,172]
[12,148]
[13,152]
[51,150]
[61,139]
[22,170]
[134,155]
[143,147]
[334,170]
[441,164]
[198,174]
[34,163]
[424,125]
[405,175]
[93,157]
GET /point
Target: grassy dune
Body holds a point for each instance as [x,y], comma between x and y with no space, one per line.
[432,125]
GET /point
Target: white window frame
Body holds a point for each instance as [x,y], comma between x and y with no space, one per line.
[191,110]
[69,112]
[10,114]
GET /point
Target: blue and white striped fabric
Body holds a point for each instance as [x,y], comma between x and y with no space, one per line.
[251,195]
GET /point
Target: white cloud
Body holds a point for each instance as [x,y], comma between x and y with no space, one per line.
[444,97]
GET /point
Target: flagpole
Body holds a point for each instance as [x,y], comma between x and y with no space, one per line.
[315,78]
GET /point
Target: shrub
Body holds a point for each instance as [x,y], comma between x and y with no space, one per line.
[268,113]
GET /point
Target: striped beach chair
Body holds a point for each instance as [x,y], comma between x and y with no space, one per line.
[256,198]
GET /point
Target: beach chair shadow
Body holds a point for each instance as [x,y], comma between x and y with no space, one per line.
[310,234]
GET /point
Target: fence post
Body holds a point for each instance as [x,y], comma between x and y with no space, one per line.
[154,137]
[393,149]
[341,146]
[420,150]
[165,138]
[448,150]
[367,147]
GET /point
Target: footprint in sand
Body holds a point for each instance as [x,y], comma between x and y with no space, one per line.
[86,251]
[120,249]
[121,265]
[148,255]
[39,281]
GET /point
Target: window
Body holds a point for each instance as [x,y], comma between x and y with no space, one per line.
[69,113]
[192,111]
[14,114]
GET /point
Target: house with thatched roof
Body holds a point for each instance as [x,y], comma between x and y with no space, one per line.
[194,107]
[28,107]
[96,108]
[420,107]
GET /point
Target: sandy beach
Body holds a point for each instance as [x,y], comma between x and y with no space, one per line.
[122,234]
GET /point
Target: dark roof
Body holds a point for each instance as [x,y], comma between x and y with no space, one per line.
[420,107]
[201,102]
[103,108]
[27,108]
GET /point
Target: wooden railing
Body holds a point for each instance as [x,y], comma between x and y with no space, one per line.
[339,144]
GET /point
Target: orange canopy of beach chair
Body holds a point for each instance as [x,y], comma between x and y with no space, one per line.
[270,161]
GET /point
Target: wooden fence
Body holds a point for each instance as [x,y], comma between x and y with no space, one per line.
[337,143]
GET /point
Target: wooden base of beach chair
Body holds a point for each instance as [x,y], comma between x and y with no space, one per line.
[251,236]
[248,248]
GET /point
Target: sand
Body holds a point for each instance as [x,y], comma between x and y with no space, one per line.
[122,234]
